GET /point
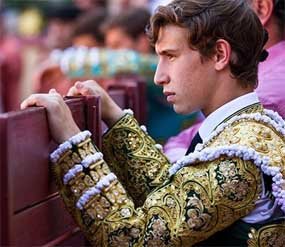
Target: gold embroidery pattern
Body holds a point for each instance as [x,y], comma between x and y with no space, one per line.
[157,233]
[81,182]
[195,205]
[260,137]
[124,237]
[233,185]
[268,236]
[72,157]
[132,156]
[185,209]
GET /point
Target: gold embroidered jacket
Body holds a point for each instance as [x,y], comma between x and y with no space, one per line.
[152,203]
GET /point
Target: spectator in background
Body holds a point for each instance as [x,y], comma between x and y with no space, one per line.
[87,29]
[87,5]
[1,85]
[11,56]
[271,74]
[127,31]
[86,32]
[61,19]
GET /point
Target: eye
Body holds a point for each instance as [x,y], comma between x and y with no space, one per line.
[170,57]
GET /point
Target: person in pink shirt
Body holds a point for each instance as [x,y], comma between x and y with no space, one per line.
[271,74]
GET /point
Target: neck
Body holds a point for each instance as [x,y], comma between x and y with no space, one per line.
[226,92]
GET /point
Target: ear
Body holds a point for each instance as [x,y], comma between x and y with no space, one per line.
[223,54]
[263,9]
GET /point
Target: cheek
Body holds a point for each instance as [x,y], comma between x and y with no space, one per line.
[185,82]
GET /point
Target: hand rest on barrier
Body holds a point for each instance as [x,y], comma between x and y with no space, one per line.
[31,211]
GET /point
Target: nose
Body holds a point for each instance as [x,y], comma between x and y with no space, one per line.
[161,76]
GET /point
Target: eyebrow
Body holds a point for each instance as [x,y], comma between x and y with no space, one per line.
[167,51]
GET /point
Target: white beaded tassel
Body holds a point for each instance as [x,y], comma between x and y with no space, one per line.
[62,148]
[72,173]
[90,159]
[104,182]
[275,116]
[80,137]
[273,120]
[210,154]
[143,128]
[128,111]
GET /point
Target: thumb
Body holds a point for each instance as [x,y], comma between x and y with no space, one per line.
[52,91]
[78,85]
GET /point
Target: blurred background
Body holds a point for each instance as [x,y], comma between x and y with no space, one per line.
[34,31]
[31,29]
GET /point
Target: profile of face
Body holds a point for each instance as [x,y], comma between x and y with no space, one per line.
[116,38]
[187,81]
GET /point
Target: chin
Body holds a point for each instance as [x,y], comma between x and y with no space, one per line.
[179,110]
[182,111]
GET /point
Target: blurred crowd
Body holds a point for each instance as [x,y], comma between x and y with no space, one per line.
[28,32]
[33,33]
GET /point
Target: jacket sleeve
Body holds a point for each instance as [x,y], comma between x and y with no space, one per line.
[135,158]
[183,209]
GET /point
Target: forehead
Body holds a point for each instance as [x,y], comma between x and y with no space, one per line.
[171,37]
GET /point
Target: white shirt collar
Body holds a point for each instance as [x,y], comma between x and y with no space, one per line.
[225,111]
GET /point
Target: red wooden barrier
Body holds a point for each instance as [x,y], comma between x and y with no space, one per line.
[2,107]
[31,211]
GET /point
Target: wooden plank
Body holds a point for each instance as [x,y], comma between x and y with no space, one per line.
[1,86]
[119,95]
[135,89]
[30,211]
[41,224]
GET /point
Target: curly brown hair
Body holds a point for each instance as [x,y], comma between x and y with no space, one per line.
[210,20]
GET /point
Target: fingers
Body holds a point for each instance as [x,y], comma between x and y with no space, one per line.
[52,91]
[44,100]
[78,85]
[73,91]
[57,114]
[32,100]
[85,88]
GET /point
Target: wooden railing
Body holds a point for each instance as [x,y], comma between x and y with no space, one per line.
[31,210]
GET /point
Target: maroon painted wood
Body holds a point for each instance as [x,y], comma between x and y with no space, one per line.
[31,212]
[135,89]
[2,107]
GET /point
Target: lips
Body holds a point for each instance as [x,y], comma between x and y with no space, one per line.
[169,96]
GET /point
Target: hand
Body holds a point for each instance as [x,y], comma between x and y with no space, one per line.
[61,123]
[111,112]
